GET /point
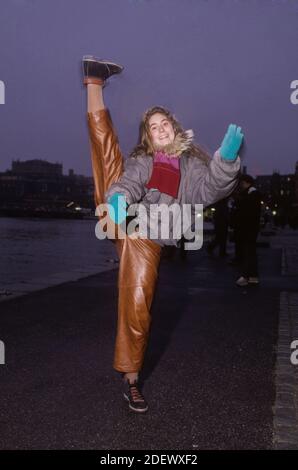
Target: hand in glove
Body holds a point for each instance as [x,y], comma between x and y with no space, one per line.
[117,208]
[231,143]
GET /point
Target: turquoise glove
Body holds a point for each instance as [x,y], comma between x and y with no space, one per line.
[117,208]
[231,143]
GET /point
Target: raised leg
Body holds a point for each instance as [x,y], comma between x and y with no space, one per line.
[107,160]
[95,98]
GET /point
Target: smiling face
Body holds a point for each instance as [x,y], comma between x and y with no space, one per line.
[161,130]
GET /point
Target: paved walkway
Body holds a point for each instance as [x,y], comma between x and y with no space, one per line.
[209,373]
[286,404]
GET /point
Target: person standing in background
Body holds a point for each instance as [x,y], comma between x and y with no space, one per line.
[221,226]
[248,227]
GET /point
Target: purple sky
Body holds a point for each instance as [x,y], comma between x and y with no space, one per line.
[212,62]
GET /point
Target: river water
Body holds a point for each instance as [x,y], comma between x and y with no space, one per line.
[33,248]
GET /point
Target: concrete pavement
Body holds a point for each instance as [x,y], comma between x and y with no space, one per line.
[210,370]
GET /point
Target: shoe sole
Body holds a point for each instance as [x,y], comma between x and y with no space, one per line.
[248,284]
[134,409]
[241,285]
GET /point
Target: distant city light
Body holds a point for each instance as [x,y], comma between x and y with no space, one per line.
[273,212]
[213,209]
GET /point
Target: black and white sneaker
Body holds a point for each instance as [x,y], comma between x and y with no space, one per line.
[133,395]
[95,69]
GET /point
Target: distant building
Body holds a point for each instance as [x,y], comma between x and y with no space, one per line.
[280,195]
[38,182]
[277,188]
[36,167]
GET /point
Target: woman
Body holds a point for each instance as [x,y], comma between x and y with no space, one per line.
[164,168]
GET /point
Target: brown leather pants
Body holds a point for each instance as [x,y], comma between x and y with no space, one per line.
[139,258]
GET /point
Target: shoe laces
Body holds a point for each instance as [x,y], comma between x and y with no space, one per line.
[135,392]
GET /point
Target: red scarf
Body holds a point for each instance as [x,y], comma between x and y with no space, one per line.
[165,174]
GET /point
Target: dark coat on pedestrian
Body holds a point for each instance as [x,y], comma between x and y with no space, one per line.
[248,213]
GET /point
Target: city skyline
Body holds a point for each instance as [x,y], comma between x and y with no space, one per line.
[67,171]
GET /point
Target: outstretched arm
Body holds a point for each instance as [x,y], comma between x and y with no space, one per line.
[209,183]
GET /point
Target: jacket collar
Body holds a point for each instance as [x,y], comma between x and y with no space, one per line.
[180,144]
